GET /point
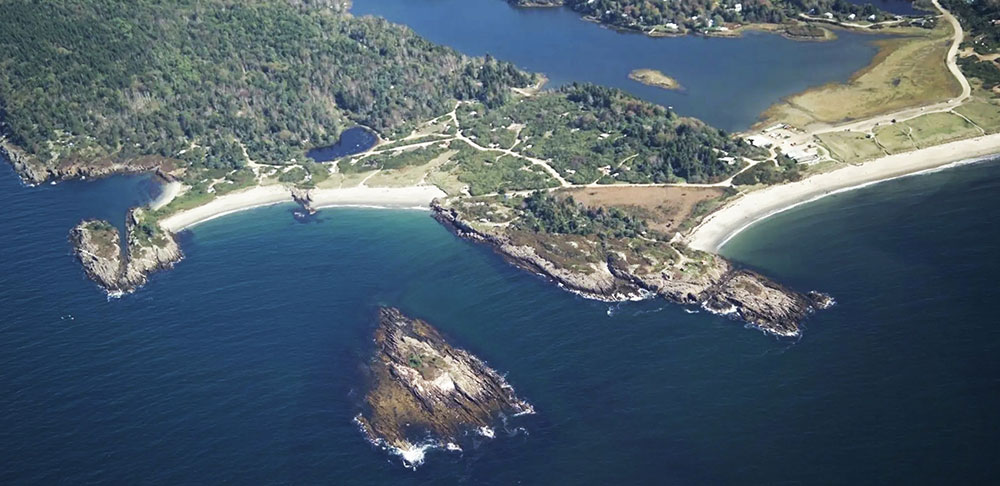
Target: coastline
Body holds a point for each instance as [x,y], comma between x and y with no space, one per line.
[385,197]
[730,220]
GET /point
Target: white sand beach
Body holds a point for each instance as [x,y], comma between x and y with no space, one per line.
[739,214]
[414,196]
[169,192]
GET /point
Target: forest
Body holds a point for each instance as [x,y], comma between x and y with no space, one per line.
[199,80]
[215,84]
[543,212]
[592,134]
[977,17]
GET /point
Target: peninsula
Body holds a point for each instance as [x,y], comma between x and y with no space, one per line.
[422,392]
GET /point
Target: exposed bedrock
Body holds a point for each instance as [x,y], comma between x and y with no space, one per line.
[119,269]
[719,287]
[422,388]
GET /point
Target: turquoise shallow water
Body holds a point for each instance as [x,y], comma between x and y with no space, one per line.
[242,365]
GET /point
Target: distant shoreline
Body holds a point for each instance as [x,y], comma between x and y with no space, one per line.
[381,197]
[727,222]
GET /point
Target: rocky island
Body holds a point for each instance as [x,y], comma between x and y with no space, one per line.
[122,270]
[422,391]
[653,77]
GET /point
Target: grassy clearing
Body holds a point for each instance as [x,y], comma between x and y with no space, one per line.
[908,71]
[850,147]
[409,175]
[338,180]
[938,128]
[447,182]
[982,113]
[895,138]
[664,208]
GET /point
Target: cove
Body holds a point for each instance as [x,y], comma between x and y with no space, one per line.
[728,82]
[352,141]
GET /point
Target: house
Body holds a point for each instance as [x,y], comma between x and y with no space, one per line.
[851,17]
[871,18]
[828,15]
[738,7]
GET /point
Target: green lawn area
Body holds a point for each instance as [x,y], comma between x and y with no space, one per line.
[895,139]
[982,113]
[938,128]
[850,147]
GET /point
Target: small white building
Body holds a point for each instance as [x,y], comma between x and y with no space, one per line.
[851,17]
[738,7]
[871,18]
[828,15]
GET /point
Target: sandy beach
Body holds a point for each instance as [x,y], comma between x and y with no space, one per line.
[397,197]
[741,213]
[170,191]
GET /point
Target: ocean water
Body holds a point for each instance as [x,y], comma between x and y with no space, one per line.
[727,83]
[243,364]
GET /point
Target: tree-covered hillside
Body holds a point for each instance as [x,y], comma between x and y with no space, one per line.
[209,85]
[119,79]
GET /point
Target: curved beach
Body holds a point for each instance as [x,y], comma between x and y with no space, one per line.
[390,197]
[741,213]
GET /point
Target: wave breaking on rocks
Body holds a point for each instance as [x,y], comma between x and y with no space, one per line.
[424,394]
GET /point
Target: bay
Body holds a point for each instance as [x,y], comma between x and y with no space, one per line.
[727,83]
[243,364]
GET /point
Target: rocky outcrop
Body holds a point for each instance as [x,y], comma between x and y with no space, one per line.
[303,198]
[719,286]
[602,284]
[97,244]
[422,387]
[34,171]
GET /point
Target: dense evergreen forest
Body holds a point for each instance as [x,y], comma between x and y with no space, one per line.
[705,14]
[197,78]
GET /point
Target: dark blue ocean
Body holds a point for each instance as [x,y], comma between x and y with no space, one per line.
[242,365]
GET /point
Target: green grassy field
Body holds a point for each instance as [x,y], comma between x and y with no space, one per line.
[982,113]
[850,147]
[938,128]
[895,138]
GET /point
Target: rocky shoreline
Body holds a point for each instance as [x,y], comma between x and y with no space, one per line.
[33,172]
[121,270]
[720,288]
[423,392]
